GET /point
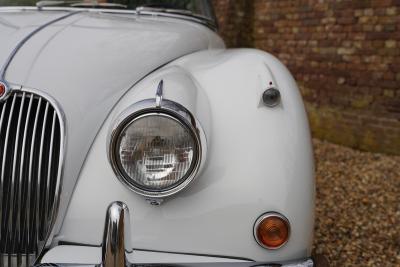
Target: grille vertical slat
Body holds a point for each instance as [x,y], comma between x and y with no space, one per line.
[21,217]
[31,227]
[39,202]
[1,179]
[2,256]
[13,220]
[47,202]
[5,222]
[30,155]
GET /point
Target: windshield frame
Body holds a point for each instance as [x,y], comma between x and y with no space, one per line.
[210,22]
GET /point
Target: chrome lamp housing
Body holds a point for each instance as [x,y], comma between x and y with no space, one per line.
[149,174]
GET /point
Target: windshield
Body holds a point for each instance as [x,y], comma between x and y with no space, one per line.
[198,8]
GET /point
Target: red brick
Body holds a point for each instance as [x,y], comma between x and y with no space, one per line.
[355,42]
[381,3]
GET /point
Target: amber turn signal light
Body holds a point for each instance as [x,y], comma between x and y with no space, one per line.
[272,230]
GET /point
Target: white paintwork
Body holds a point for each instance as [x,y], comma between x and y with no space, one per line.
[92,255]
[259,159]
[14,26]
[88,61]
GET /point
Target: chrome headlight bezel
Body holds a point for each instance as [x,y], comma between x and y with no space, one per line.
[169,109]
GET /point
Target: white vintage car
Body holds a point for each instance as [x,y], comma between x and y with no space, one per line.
[129,136]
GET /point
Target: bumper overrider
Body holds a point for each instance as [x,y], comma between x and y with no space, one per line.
[116,247]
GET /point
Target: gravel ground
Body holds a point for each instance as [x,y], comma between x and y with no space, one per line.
[358,206]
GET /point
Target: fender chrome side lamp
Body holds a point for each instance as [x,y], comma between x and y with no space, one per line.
[156,147]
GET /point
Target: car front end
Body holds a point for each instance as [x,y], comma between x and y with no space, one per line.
[136,138]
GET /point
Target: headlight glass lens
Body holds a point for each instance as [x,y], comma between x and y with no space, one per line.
[156,152]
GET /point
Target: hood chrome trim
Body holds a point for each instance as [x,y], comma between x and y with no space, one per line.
[4,68]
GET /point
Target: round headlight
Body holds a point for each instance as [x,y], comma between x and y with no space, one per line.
[156,153]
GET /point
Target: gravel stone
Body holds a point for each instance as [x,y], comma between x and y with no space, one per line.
[358,206]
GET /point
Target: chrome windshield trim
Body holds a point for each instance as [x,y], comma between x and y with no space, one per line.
[206,22]
[210,23]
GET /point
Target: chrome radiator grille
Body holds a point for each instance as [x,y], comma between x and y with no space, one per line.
[31,144]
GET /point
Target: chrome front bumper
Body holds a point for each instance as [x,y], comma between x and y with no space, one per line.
[305,263]
[116,241]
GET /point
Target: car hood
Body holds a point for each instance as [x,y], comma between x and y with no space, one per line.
[87,61]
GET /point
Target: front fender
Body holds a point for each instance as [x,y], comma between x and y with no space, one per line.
[259,159]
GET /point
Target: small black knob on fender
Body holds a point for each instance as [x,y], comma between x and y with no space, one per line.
[271,97]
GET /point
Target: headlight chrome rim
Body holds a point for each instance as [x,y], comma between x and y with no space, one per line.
[171,110]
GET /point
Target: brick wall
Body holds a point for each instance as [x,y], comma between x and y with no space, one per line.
[345,56]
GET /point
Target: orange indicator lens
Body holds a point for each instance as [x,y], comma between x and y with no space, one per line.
[272,231]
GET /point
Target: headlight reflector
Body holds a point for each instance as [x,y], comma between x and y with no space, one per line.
[156,151]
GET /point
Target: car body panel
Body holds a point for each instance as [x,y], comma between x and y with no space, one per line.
[15,25]
[259,160]
[87,62]
[67,254]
